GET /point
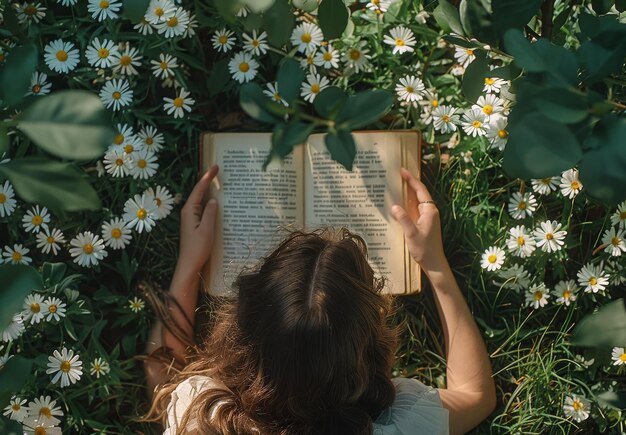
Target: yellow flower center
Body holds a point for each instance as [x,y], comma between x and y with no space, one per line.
[45,411]
[306,38]
[116,233]
[172,22]
[575,185]
[622,357]
[355,54]
[116,95]
[149,141]
[488,109]
[142,213]
[141,164]
[376,2]
[35,308]
[277,97]
[538,295]
[434,103]
[50,240]
[328,56]
[40,430]
[103,53]
[16,407]
[492,258]
[104,4]
[52,309]
[125,60]
[61,56]
[30,9]
[470,52]
[410,89]
[309,59]
[16,256]
[129,148]
[503,134]
[489,81]
[119,139]
[400,42]
[445,118]
[615,241]
[3,198]
[158,201]
[521,241]
[622,215]
[164,65]
[315,88]
[244,67]
[223,39]
[593,280]
[66,366]
[546,180]
[178,102]
[36,89]
[522,205]
[567,294]
[476,124]
[255,43]
[159,12]
[88,248]
[577,405]
[37,220]
[119,162]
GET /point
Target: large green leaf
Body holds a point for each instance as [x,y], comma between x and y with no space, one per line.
[524,55]
[56,185]
[135,9]
[333,18]
[342,148]
[16,72]
[258,6]
[600,61]
[563,105]
[447,16]
[10,427]
[258,105]
[513,13]
[279,22]
[289,78]
[474,77]
[70,124]
[18,281]
[477,20]
[603,329]
[365,108]
[538,147]
[329,102]
[17,370]
[286,136]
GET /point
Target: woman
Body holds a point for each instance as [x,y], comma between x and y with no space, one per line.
[306,347]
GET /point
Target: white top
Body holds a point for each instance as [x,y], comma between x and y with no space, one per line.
[416,410]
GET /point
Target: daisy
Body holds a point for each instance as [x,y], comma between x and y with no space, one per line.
[490,104]
[140,212]
[99,367]
[43,408]
[36,426]
[61,56]
[67,2]
[130,145]
[31,309]
[163,200]
[537,296]
[493,84]
[474,122]
[87,249]
[164,66]
[308,62]
[159,11]
[7,201]
[497,133]
[101,54]
[14,329]
[255,44]
[570,184]
[125,131]
[191,26]
[16,255]
[125,62]
[243,67]
[179,104]
[565,291]
[116,93]
[548,236]
[175,25]
[38,85]
[410,88]
[49,241]
[36,219]
[66,366]
[30,12]
[314,85]
[53,308]
[379,6]
[522,205]
[544,186]
[614,241]
[357,58]
[144,27]
[516,278]
[145,164]
[117,163]
[593,278]
[618,356]
[520,243]
[103,9]
[16,410]
[223,40]
[445,119]
[492,259]
[401,38]
[327,57]
[464,56]
[115,234]
[306,37]
[136,304]
[150,138]
[242,12]
[272,92]
[617,218]
[576,407]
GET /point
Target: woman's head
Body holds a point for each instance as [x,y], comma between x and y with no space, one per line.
[306,347]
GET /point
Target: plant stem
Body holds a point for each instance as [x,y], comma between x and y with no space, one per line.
[547,12]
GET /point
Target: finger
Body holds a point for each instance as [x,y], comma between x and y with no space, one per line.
[420,189]
[209,214]
[199,190]
[403,218]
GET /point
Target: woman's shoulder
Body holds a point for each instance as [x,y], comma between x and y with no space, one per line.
[417,409]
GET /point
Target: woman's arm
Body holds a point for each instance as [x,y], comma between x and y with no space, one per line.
[470,395]
[197,232]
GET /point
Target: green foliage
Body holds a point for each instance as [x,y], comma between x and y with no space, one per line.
[447,17]
[257,105]
[15,73]
[340,144]
[16,371]
[289,78]
[508,14]
[474,77]
[135,9]
[279,22]
[605,328]
[17,282]
[333,18]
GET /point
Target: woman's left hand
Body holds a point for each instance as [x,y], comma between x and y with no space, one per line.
[197,224]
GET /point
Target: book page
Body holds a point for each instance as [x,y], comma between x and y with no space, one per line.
[361,200]
[252,204]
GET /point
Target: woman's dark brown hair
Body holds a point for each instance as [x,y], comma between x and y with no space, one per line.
[306,348]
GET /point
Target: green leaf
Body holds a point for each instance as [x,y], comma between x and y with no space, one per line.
[341,146]
[258,6]
[603,329]
[365,108]
[279,22]
[4,140]
[333,18]
[620,5]
[477,20]
[53,272]
[219,77]
[524,56]
[616,399]
[227,9]
[18,281]
[256,104]
[135,9]
[562,105]
[599,61]
[289,78]
[601,7]
[286,136]
[447,16]
[538,147]
[329,102]
[9,427]
[305,5]
[70,124]
[474,77]
[509,14]
[15,373]
[56,185]
[16,72]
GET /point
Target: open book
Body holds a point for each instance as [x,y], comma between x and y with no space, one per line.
[309,190]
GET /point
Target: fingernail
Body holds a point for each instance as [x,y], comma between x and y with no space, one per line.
[212,201]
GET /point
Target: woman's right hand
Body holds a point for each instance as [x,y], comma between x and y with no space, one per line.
[422,228]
